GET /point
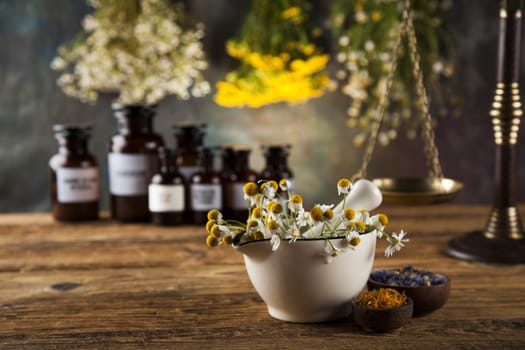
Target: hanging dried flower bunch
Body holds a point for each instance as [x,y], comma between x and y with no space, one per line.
[278,62]
[144,49]
[366,34]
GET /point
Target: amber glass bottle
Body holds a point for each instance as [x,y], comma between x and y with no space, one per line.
[236,172]
[74,176]
[205,189]
[167,192]
[132,162]
[189,140]
[276,167]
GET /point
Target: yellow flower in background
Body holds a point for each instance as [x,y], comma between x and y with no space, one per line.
[291,12]
[376,16]
[278,63]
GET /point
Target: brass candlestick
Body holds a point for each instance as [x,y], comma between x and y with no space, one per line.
[502,240]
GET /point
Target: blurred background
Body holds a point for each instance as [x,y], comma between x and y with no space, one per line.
[322,150]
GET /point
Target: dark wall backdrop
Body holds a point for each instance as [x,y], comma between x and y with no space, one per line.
[31,102]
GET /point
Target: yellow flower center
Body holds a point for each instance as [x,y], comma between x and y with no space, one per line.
[227,240]
[210,224]
[273,184]
[215,232]
[252,224]
[349,213]
[212,241]
[273,225]
[360,226]
[354,241]
[214,214]
[297,199]
[329,214]
[256,213]
[258,236]
[383,219]
[251,189]
[276,208]
[316,214]
[343,183]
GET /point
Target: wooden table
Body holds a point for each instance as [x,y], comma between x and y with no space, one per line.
[109,286]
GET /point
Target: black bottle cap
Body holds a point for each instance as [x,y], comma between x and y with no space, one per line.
[70,130]
[132,110]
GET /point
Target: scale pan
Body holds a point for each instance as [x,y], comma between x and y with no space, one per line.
[417,190]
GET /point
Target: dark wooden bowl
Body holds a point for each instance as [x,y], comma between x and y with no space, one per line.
[382,320]
[426,298]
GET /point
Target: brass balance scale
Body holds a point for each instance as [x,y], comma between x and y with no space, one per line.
[411,190]
[502,241]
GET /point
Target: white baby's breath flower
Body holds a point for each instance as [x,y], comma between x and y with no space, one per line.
[361,17]
[163,59]
[89,23]
[369,46]
[340,57]
[344,40]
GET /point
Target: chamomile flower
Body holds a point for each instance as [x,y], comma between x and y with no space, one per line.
[296,203]
[269,188]
[256,213]
[349,213]
[303,219]
[353,239]
[212,241]
[275,209]
[331,251]
[252,226]
[271,219]
[363,215]
[273,226]
[343,186]
[316,214]
[250,191]
[396,243]
[284,185]
[214,214]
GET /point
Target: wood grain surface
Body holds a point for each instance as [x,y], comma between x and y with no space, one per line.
[104,285]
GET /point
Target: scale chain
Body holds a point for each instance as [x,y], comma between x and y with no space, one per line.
[431,151]
[382,103]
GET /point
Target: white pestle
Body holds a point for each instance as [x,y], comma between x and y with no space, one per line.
[363,196]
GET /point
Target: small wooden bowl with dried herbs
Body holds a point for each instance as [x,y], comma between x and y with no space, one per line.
[382,310]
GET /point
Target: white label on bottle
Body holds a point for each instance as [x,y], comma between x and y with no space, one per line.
[206,197]
[129,174]
[77,185]
[164,198]
[188,170]
[234,196]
